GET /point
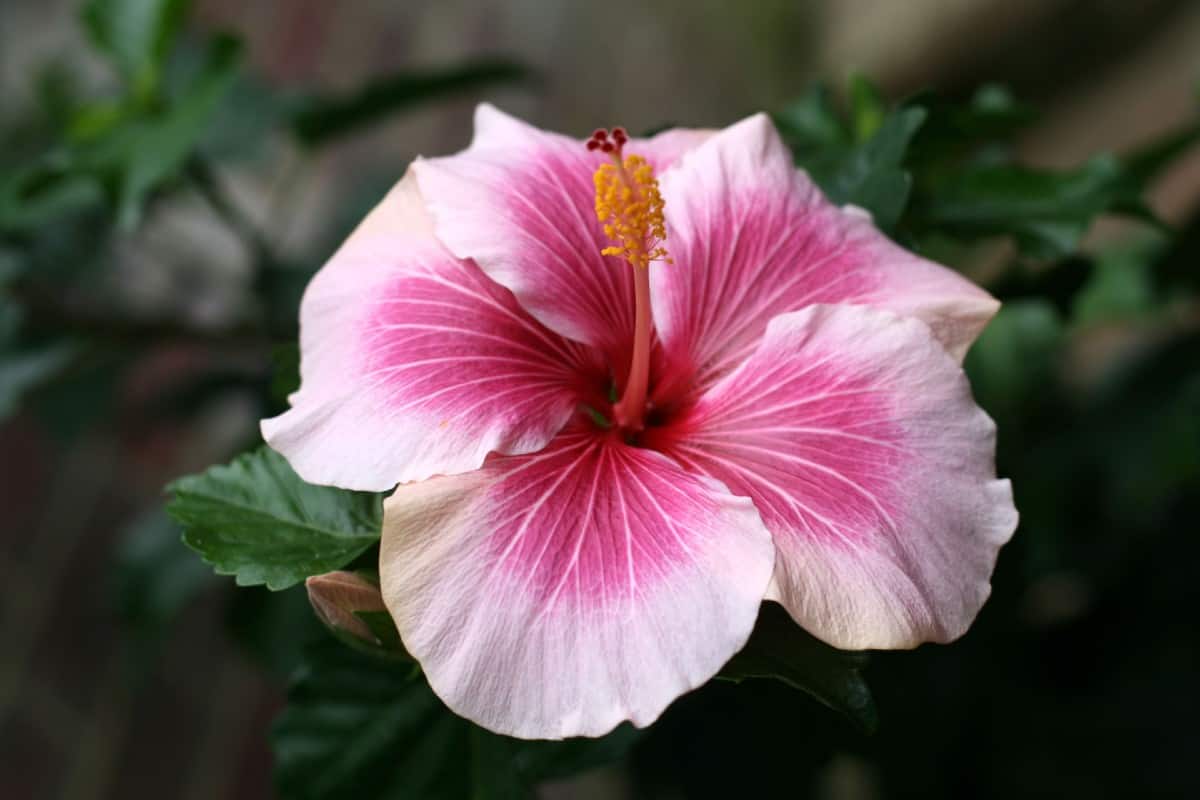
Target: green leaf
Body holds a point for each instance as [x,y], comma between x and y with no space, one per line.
[384,629]
[285,373]
[782,650]
[870,175]
[811,124]
[1046,211]
[358,726]
[555,760]
[323,118]
[135,34]
[1016,356]
[273,628]
[157,149]
[40,194]
[952,131]
[867,108]
[859,164]
[155,576]
[255,519]
[1121,287]
[139,150]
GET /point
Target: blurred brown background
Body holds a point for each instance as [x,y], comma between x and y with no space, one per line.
[80,716]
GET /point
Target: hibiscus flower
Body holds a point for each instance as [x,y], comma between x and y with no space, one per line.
[627,389]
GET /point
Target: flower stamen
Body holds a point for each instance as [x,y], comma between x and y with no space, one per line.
[630,207]
[628,202]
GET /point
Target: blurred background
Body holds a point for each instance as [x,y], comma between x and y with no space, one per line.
[151,274]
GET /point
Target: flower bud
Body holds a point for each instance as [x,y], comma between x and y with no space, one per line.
[336,597]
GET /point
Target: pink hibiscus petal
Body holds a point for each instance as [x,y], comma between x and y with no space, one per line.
[856,436]
[520,202]
[414,363]
[558,594]
[752,237]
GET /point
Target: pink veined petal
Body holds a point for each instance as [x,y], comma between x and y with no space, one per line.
[856,436]
[752,237]
[557,594]
[520,202]
[414,363]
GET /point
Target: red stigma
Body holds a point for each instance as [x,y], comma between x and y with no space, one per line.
[606,141]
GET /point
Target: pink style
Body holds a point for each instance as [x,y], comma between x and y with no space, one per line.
[623,399]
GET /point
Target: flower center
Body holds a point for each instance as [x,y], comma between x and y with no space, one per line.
[630,207]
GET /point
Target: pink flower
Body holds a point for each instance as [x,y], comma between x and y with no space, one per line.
[793,422]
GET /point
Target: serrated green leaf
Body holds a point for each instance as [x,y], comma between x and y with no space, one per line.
[320,119]
[357,726]
[782,650]
[255,519]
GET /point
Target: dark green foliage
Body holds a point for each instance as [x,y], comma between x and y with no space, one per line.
[156,576]
[782,650]
[363,727]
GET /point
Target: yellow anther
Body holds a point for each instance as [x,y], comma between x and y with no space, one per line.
[630,207]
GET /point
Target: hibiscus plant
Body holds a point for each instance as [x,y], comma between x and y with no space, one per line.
[570,426]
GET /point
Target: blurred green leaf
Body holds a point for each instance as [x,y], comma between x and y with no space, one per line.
[954,131]
[321,119]
[1146,162]
[273,628]
[782,650]
[285,373]
[1046,211]
[384,629]
[148,152]
[867,109]
[1121,286]
[811,124]
[40,194]
[1178,269]
[257,520]
[861,164]
[357,726]
[119,152]
[1016,356]
[547,760]
[135,34]
[155,576]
